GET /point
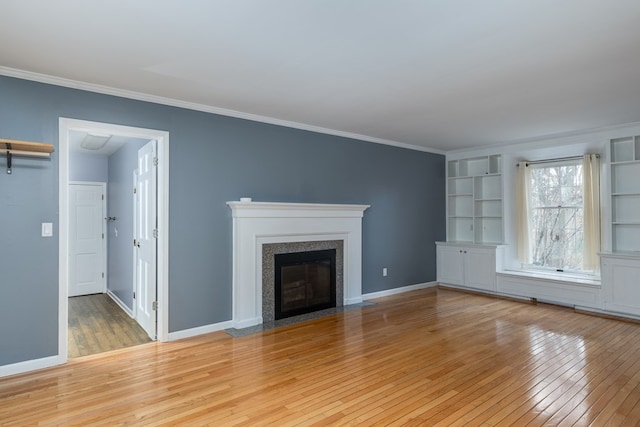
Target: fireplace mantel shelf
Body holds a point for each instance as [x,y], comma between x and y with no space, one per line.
[295,210]
[259,223]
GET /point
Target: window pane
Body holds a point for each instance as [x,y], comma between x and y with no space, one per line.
[556,216]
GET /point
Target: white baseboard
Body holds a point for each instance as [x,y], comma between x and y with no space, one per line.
[399,290]
[118,301]
[350,301]
[31,365]
[206,329]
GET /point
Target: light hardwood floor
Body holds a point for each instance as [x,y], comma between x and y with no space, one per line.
[97,324]
[428,357]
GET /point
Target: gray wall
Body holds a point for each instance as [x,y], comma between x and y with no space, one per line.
[213,159]
[122,163]
[88,167]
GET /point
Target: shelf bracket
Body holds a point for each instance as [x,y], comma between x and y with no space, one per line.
[9,155]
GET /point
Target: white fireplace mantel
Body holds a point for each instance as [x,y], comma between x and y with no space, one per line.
[259,223]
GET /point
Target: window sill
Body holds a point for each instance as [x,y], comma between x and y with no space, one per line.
[556,277]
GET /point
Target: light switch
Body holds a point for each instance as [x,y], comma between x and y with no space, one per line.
[47,229]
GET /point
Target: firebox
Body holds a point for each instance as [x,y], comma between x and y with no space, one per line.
[304,282]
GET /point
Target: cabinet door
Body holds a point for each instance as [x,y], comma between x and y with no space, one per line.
[450,265]
[621,285]
[480,268]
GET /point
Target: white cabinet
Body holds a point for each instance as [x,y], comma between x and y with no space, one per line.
[449,266]
[471,266]
[474,200]
[621,282]
[625,193]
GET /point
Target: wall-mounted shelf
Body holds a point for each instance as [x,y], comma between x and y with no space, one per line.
[11,148]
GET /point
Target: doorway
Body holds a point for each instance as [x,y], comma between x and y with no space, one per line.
[160,300]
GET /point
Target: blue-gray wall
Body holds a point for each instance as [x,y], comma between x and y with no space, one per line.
[213,159]
[122,163]
[88,167]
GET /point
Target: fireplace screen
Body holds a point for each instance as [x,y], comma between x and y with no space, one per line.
[304,282]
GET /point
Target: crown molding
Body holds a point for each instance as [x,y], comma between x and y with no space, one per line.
[139,96]
[580,136]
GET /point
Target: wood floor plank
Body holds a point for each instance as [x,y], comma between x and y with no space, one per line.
[97,324]
[429,357]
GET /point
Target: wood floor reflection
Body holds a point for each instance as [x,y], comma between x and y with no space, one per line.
[428,357]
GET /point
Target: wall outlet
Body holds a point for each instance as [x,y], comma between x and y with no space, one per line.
[384,272]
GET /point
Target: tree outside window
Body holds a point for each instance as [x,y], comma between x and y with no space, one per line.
[556,217]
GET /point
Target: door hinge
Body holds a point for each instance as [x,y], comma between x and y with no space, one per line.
[155,161]
[155,233]
[103,274]
[134,295]
[103,197]
[154,306]
[135,190]
[102,235]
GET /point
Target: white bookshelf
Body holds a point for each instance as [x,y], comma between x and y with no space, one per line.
[474,200]
[625,194]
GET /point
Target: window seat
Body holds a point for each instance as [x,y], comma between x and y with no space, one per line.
[560,288]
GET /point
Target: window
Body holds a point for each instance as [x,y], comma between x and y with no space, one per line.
[556,215]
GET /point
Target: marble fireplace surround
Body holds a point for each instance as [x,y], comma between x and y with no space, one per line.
[258,223]
[269,252]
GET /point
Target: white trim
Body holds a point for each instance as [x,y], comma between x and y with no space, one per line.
[118,301]
[571,278]
[589,137]
[31,365]
[600,312]
[206,329]
[134,276]
[399,290]
[65,125]
[91,87]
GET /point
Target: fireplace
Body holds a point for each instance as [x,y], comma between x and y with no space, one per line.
[258,227]
[304,282]
[271,251]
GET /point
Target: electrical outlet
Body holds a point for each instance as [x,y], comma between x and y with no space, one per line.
[384,272]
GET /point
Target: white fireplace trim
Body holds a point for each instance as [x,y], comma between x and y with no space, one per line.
[259,223]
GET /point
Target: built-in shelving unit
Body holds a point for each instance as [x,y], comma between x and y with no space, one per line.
[625,194]
[474,200]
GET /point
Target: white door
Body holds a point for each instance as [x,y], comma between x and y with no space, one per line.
[145,240]
[87,249]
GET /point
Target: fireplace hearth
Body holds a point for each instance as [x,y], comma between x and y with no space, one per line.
[304,282]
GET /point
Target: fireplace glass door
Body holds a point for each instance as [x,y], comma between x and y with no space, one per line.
[304,282]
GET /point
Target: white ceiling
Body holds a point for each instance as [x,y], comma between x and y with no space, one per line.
[113,144]
[438,74]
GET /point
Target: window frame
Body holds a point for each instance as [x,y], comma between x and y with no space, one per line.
[555,269]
